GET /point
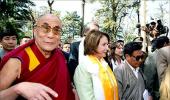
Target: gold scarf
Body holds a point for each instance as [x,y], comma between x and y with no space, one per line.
[108,80]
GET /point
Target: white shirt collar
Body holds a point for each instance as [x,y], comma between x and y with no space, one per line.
[135,70]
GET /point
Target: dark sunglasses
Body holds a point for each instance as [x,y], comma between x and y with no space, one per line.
[137,58]
[46,28]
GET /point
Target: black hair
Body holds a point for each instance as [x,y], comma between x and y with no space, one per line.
[120,41]
[138,39]
[26,37]
[8,32]
[161,41]
[130,47]
[153,44]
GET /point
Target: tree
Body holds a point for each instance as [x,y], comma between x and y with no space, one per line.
[17,9]
[112,13]
[50,3]
[82,23]
[83,10]
[162,11]
[16,12]
[71,24]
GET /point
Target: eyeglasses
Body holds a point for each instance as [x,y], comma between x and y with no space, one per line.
[46,29]
[138,58]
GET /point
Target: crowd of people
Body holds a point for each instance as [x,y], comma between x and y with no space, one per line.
[94,68]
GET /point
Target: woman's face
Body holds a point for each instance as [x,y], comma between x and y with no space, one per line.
[102,47]
[119,50]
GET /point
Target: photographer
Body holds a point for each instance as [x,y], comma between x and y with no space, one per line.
[155,28]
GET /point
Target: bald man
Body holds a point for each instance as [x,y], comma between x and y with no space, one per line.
[38,62]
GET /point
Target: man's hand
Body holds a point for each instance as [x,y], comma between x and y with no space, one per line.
[35,91]
[75,94]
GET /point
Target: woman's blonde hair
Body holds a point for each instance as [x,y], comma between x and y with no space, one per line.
[165,86]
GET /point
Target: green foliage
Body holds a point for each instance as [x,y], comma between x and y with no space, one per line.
[71,24]
[128,37]
[15,12]
[162,11]
[12,24]
[111,15]
[44,10]
[16,9]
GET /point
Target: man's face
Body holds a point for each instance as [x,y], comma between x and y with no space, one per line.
[66,48]
[136,59]
[24,40]
[9,42]
[47,34]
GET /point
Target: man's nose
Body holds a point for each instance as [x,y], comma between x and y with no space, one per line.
[50,34]
[11,41]
[140,60]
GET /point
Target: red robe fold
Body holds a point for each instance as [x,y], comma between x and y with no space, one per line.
[51,72]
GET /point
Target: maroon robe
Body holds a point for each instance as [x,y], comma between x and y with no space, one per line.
[51,72]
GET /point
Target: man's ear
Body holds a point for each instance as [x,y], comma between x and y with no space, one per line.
[34,31]
[126,55]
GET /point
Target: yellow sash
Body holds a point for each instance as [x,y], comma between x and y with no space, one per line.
[108,80]
[34,62]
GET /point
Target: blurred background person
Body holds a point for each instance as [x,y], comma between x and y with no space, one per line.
[66,47]
[165,86]
[116,55]
[24,40]
[150,69]
[163,62]
[8,39]
[0,45]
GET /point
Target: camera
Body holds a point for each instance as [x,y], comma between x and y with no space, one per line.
[154,28]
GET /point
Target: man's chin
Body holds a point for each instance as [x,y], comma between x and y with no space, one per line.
[9,49]
[49,49]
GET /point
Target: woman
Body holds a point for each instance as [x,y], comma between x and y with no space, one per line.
[165,86]
[93,78]
[116,50]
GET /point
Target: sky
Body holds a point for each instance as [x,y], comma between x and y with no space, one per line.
[72,5]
